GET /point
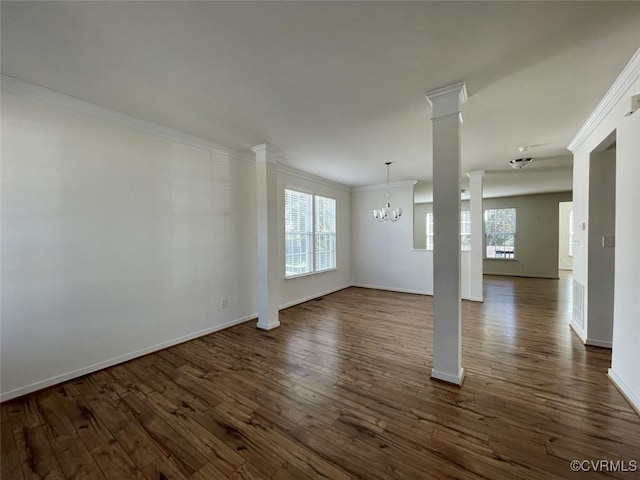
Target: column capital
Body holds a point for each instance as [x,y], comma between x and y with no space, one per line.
[475,176]
[446,101]
[267,153]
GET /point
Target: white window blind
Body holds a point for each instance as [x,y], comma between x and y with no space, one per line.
[500,232]
[298,220]
[325,233]
[310,233]
[465,230]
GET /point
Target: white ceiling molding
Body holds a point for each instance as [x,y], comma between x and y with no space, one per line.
[294,172]
[625,80]
[266,152]
[383,186]
[30,91]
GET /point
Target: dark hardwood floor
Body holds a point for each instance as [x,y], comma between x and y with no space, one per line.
[340,391]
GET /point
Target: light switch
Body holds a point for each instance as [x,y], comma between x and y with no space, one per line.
[608,242]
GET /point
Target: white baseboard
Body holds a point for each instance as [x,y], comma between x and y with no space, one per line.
[578,331]
[18,392]
[474,299]
[446,377]
[626,392]
[393,289]
[597,343]
[311,297]
[525,275]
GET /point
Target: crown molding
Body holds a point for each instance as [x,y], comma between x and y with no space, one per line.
[383,186]
[629,75]
[30,91]
[294,172]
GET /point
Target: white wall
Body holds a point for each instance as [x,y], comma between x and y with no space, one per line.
[536,235]
[382,253]
[565,261]
[115,242]
[626,327]
[300,289]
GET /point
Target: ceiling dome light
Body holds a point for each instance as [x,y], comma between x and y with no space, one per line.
[520,162]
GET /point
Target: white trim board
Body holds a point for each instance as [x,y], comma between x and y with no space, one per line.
[393,289]
[623,83]
[578,331]
[294,172]
[30,91]
[524,275]
[445,377]
[412,291]
[382,186]
[597,343]
[311,297]
[64,377]
[624,390]
[473,299]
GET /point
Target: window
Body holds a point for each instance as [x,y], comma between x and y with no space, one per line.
[429,231]
[571,233]
[310,233]
[465,230]
[500,232]
[298,220]
[325,233]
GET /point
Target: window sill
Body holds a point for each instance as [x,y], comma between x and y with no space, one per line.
[501,259]
[293,277]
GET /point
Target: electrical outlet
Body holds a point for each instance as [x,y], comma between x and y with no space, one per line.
[223,303]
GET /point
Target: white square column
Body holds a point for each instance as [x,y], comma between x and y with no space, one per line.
[447,325]
[267,158]
[477,254]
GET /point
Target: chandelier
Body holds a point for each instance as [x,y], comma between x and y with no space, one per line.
[385,214]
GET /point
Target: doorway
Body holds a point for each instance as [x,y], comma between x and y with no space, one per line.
[565,236]
[601,243]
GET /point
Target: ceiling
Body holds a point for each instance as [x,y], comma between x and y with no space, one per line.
[339,86]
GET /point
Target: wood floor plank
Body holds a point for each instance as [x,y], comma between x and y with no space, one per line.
[342,390]
[163,468]
[73,456]
[247,472]
[10,466]
[183,454]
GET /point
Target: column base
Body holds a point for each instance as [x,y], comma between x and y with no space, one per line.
[446,377]
[268,326]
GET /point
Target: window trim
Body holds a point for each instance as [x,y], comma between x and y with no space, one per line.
[313,196]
